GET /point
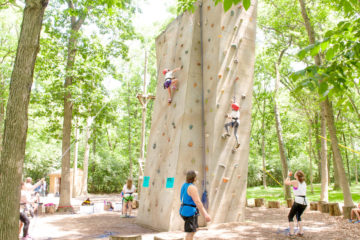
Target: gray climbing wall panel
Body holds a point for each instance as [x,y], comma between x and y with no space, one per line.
[175,142]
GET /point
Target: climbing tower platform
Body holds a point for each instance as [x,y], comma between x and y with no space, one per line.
[216,53]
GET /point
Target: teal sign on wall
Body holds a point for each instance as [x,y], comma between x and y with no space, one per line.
[146,181]
[170,182]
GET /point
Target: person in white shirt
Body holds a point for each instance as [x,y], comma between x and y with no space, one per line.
[128,191]
[300,202]
[170,81]
[25,205]
[234,123]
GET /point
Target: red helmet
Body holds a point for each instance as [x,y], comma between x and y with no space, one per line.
[165,71]
[235,106]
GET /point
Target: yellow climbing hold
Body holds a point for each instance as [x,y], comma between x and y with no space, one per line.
[222,91]
[220,36]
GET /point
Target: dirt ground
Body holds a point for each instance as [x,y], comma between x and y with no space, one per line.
[261,223]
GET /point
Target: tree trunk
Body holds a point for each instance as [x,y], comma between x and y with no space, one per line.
[356,165]
[2,108]
[16,123]
[84,190]
[310,167]
[336,174]
[337,155]
[65,194]
[129,133]
[324,195]
[347,160]
[263,145]
[318,143]
[329,117]
[76,151]
[284,163]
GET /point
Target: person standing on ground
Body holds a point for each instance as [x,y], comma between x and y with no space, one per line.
[191,205]
[25,202]
[128,191]
[300,202]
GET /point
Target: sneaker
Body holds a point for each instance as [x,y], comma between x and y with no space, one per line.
[225,135]
[169,101]
[26,238]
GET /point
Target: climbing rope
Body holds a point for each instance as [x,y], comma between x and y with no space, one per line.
[352,150]
[204,197]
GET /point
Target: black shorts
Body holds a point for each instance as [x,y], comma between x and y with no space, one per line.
[191,223]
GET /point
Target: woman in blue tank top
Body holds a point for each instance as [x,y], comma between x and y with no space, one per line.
[191,205]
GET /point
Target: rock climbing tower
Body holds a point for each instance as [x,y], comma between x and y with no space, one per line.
[216,51]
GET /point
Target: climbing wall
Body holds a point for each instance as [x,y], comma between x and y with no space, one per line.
[175,142]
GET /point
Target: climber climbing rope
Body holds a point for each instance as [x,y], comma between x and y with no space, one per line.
[234,123]
[170,81]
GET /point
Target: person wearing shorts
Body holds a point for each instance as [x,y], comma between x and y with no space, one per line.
[170,81]
[191,205]
[128,191]
[300,202]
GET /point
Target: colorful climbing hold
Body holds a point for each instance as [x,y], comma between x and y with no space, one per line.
[243,96]
[206,100]
[180,35]
[199,64]
[220,76]
[225,179]
[209,39]
[208,90]
[237,78]
[236,60]
[186,52]
[208,67]
[227,68]
[222,28]
[195,84]
[211,110]
[232,13]
[154,145]
[208,7]
[163,134]
[168,139]
[222,91]
[211,78]
[174,105]
[234,45]
[212,25]
[207,168]
[217,105]
[220,36]
[197,101]
[191,126]
[190,144]
[193,161]
[173,124]
[181,45]
[235,27]
[158,170]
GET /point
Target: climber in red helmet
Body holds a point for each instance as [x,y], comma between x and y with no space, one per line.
[170,80]
[234,116]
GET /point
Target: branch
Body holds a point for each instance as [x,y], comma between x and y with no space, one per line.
[71,6]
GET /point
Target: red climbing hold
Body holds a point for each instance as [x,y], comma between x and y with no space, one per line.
[209,7]
[223,27]
[212,25]
[195,84]
[190,144]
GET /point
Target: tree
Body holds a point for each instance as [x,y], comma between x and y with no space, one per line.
[329,116]
[16,121]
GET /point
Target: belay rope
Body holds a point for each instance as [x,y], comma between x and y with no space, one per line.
[204,197]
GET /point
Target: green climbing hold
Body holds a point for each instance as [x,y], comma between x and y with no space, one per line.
[217,105]
[191,126]
[186,52]
[208,91]
[174,105]
[193,161]
[232,13]
[154,145]
[209,39]
[173,124]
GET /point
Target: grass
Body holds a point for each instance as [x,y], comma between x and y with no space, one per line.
[277,193]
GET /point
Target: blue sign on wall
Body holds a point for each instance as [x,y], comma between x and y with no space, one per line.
[146,181]
[170,182]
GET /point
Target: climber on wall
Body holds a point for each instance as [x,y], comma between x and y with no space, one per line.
[234,116]
[170,80]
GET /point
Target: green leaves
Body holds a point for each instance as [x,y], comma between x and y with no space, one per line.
[189,5]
